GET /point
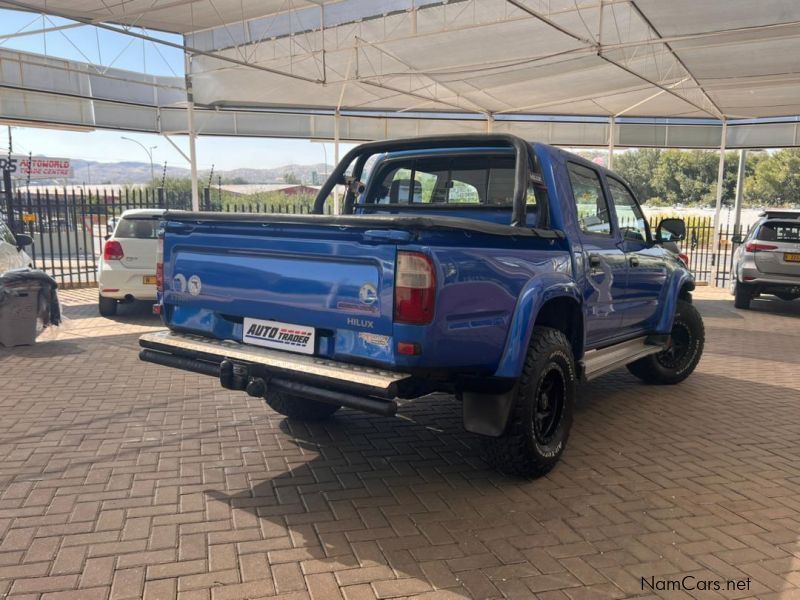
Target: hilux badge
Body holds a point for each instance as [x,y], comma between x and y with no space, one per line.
[368,294]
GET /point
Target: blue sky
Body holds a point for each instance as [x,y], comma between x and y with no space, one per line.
[90,44]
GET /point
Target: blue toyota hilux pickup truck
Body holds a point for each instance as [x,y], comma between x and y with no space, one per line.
[498,270]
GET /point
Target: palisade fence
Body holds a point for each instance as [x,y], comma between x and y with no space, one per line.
[69,229]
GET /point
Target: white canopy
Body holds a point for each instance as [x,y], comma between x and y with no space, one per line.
[683,58]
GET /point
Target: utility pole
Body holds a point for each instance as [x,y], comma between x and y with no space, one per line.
[149,155]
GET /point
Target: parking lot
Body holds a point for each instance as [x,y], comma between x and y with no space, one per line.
[124,480]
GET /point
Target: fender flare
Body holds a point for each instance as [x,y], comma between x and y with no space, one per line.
[533,296]
[669,300]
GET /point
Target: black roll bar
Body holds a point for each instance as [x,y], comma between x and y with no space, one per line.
[522,176]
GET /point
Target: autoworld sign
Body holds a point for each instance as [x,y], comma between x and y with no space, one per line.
[36,167]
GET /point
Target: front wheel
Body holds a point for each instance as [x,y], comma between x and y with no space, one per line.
[541,416]
[299,409]
[680,358]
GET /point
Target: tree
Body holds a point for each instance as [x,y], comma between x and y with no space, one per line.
[776,179]
[637,168]
[290,178]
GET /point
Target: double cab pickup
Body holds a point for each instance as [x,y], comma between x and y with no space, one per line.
[501,271]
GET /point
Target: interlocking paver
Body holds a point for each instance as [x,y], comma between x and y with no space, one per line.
[120,479]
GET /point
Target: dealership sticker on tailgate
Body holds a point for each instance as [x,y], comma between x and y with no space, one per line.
[277,335]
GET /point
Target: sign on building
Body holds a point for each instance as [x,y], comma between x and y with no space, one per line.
[36,167]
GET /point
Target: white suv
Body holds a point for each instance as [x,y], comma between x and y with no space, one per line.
[127,268]
[768,260]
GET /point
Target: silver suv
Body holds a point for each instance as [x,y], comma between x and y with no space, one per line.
[768,260]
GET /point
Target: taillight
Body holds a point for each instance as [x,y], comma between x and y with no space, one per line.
[684,258]
[160,264]
[414,289]
[755,246]
[113,250]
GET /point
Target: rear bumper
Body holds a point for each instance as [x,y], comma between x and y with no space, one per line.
[768,281]
[206,355]
[125,282]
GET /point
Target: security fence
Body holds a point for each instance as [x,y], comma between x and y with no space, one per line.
[70,227]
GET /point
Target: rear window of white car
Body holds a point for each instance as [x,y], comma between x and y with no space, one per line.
[779,232]
[139,229]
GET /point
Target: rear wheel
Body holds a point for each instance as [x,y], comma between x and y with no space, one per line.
[107,306]
[677,362]
[300,409]
[541,417]
[742,296]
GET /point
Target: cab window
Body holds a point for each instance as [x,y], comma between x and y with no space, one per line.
[590,201]
[448,181]
[630,218]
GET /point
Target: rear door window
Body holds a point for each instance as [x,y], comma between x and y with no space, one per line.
[590,201]
[137,229]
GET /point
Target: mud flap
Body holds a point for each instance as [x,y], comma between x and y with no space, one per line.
[487,414]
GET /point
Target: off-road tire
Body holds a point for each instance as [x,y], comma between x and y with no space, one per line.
[299,409]
[688,337]
[523,450]
[107,306]
[742,296]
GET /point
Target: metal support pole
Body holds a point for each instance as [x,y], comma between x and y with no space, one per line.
[489,123]
[718,206]
[737,223]
[192,144]
[336,209]
[9,194]
[612,122]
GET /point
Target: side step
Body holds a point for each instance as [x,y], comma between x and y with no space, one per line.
[599,362]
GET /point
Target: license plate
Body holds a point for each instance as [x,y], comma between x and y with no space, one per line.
[277,335]
[791,257]
[149,279]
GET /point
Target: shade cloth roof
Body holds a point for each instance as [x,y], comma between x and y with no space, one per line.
[682,58]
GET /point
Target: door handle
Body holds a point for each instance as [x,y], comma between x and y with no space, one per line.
[634,261]
[594,260]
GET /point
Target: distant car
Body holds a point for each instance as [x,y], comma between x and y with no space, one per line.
[12,255]
[126,270]
[768,260]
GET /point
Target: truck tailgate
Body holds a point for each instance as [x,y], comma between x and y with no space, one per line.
[247,281]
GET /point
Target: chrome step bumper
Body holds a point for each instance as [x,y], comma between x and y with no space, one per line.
[215,351]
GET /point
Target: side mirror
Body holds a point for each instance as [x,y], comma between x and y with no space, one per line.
[671,230]
[23,240]
[737,239]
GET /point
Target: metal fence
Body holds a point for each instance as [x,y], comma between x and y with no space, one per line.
[69,229]
[708,266]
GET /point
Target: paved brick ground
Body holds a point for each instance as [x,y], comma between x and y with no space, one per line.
[125,480]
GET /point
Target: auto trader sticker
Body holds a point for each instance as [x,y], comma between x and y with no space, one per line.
[277,335]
